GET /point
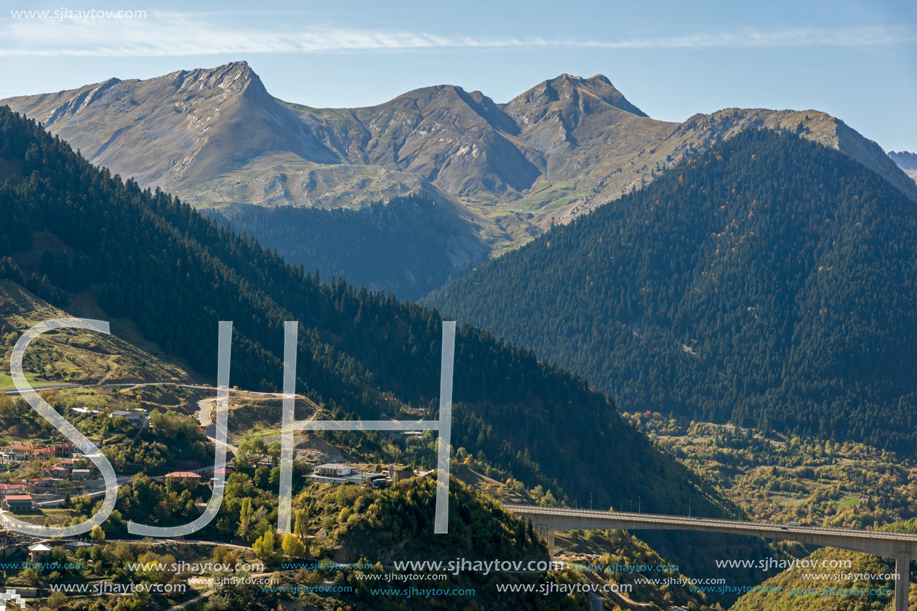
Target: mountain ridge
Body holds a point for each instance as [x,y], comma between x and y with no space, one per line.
[495,153]
[508,172]
[743,286]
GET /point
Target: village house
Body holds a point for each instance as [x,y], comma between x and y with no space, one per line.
[63,450]
[43,485]
[134,416]
[11,538]
[334,470]
[6,489]
[22,451]
[80,474]
[39,552]
[56,471]
[17,503]
[25,451]
[190,477]
[84,410]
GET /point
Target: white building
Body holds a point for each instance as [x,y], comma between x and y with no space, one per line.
[336,473]
[334,470]
[135,416]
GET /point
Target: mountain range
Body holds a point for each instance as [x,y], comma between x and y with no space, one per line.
[501,173]
[906,161]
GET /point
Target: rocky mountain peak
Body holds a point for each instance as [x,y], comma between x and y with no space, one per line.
[568,94]
[235,78]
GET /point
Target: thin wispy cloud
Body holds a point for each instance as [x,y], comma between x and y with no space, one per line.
[795,37]
[163,35]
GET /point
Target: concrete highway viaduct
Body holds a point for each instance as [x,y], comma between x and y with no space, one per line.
[900,546]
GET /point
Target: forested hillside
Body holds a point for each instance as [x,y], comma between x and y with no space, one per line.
[402,246]
[149,258]
[770,281]
[867,582]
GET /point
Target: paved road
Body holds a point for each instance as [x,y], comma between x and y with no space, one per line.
[13,391]
[193,600]
[204,411]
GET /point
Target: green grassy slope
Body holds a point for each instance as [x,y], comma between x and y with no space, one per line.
[77,357]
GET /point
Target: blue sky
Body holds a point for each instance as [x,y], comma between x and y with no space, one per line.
[855,59]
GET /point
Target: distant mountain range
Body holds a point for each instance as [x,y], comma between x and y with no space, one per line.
[906,161]
[508,171]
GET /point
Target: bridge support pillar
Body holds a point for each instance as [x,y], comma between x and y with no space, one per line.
[545,531]
[903,570]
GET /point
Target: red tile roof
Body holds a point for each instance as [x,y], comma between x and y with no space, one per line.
[13,486]
[23,445]
[183,475]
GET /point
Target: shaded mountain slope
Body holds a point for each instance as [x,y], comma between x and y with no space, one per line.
[403,246]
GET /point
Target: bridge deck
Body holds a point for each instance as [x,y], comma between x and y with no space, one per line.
[900,546]
[868,541]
